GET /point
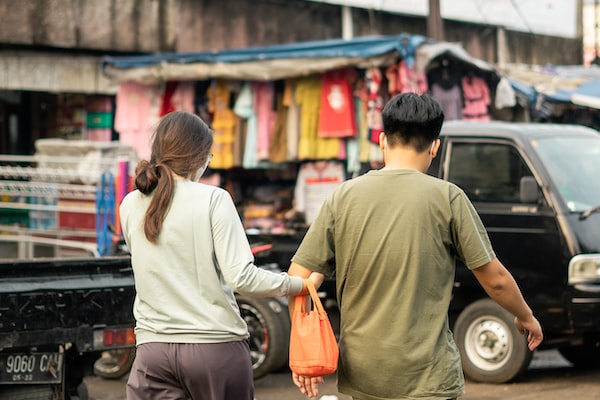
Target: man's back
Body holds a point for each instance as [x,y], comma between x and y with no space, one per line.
[393,234]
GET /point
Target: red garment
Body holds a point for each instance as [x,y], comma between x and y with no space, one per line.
[166,106]
[336,118]
[477,99]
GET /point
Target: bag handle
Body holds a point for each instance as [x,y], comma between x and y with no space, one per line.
[314,296]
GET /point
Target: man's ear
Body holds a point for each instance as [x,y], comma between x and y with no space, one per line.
[435,147]
[381,139]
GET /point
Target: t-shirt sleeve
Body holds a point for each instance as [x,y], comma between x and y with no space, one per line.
[470,237]
[317,250]
[235,259]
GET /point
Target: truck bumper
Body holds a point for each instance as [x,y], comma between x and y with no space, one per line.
[585,306]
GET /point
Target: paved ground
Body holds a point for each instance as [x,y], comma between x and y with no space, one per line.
[549,377]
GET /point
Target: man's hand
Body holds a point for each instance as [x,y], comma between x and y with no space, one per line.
[307,385]
[534,330]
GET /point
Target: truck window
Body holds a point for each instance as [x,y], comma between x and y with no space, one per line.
[487,172]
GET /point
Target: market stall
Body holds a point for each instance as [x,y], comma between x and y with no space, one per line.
[293,121]
[565,94]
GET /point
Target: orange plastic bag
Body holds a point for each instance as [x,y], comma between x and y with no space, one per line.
[313,346]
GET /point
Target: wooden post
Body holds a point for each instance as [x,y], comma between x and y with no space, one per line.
[435,24]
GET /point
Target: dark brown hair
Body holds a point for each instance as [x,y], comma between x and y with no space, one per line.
[181,145]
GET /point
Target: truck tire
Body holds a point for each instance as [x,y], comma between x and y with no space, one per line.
[27,392]
[491,348]
[268,322]
[587,357]
[114,364]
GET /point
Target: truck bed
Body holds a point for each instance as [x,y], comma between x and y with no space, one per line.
[45,301]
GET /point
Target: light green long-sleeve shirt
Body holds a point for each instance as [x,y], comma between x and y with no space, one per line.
[185,283]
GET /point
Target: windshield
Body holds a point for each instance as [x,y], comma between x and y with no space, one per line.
[574,166]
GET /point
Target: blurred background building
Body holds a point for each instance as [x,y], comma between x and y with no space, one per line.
[50,79]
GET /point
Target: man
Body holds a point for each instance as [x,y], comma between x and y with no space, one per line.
[392,237]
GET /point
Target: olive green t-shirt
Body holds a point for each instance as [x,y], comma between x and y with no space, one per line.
[392,238]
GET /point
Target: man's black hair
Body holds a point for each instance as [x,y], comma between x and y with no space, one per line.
[412,119]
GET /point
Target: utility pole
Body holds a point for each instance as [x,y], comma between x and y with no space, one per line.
[435,24]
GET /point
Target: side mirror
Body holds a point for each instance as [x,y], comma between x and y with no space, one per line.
[528,190]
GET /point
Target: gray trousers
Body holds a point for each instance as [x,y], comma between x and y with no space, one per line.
[198,371]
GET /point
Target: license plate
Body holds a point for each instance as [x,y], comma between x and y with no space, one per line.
[31,368]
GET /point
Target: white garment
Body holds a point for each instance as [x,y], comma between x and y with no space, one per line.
[315,182]
[185,282]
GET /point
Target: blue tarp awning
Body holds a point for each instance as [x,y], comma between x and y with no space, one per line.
[262,63]
[283,60]
[363,47]
[570,84]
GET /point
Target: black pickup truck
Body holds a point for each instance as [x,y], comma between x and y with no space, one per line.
[537,191]
[57,314]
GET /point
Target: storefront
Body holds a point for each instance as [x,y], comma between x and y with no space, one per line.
[52,95]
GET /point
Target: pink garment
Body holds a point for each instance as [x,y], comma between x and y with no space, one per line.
[375,104]
[263,105]
[137,108]
[410,80]
[477,99]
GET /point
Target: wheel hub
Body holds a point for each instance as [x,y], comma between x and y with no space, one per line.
[491,341]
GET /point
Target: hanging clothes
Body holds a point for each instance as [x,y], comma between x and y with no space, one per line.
[404,79]
[364,143]
[450,100]
[165,103]
[410,80]
[316,180]
[375,103]
[136,115]
[477,99]
[223,124]
[445,83]
[292,126]
[311,146]
[263,106]
[336,119]
[244,107]
[183,97]
[278,145]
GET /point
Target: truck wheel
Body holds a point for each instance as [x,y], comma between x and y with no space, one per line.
[269,326]
[27,392]
[114,364]
[491,348]
[587,357]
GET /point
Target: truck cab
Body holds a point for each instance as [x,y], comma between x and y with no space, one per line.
[536,189]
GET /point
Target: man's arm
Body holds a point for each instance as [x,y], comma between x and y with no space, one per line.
[305,273]
[500,285]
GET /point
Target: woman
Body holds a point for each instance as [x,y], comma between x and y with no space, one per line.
[189,255]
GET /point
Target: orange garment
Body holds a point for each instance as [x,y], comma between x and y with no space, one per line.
[223,124]
[278,145]
[293,119]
